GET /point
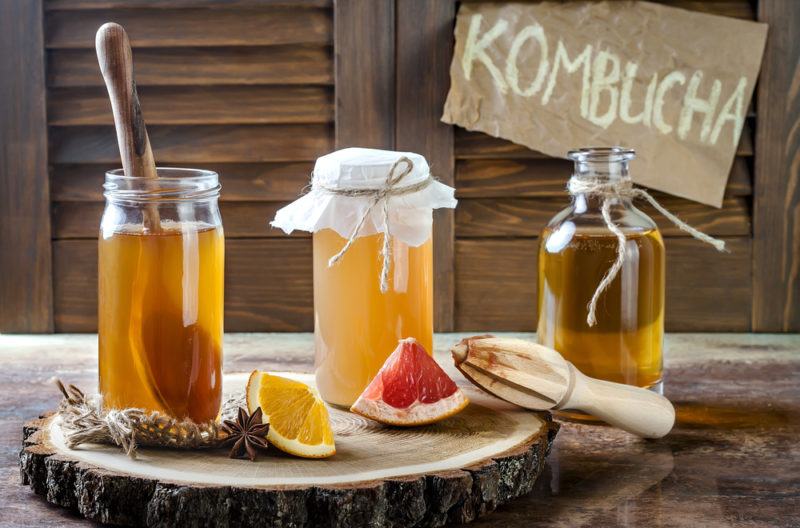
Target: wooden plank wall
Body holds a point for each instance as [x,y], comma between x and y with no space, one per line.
[25,282]
[257,89]
[776,245]
[244,88]
[507,194]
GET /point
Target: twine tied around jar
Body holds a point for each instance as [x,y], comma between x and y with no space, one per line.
[379,195]
[624,188]
[85,420]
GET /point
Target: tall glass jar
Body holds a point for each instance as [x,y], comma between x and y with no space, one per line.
[161,274]
[356,326]
[371,215]
[577,249]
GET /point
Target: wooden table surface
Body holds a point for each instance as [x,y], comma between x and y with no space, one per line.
[732,460]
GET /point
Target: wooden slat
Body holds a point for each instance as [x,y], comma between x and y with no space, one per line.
[496,178]
[501,178]
[364,36]
[267,285]
[424,43]
[740,180]
[732,8]
[776,218]
[525,217]
[201,66]
[25,282]
[193,27]
[477,145]
[172,4]
[76,220]
[240,181]
[198,105]
[496,285]
[708,291]
[197,144]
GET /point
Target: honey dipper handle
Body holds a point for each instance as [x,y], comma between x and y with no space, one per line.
[633,409]
[116,64]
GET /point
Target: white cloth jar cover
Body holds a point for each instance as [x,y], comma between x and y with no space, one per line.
[410,215]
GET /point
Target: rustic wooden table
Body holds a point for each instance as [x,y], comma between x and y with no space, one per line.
[732,459]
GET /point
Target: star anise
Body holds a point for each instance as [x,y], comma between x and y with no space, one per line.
[247,434]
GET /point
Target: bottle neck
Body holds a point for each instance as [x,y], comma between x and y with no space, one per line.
[602,172]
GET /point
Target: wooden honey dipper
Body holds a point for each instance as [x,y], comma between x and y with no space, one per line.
[116,64]
[539,378]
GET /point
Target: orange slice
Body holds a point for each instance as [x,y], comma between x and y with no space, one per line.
[297,416]
[410,389]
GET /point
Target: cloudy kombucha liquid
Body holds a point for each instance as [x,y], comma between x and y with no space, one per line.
[357,326]
[625,345]
[160,320]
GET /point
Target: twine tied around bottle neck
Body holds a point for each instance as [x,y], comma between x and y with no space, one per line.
[623,188]
[378,195]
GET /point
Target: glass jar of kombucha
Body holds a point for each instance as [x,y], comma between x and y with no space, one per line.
[577,250]
[161,262]
[370,212]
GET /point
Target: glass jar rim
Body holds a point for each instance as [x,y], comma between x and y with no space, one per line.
[601,154]
[174,184]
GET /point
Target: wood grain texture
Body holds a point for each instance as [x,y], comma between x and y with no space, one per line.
[477,145]
[198,105]
[364,42]
[76,220]
[240,181]
[197,144]
[172,4]
[424,44]
[265,26]
[202,66]
[267,285]
[744,385]
[776,214]
[496,285]
[509,178]
[525,217]
[25,282]
[457,493]
[732,8]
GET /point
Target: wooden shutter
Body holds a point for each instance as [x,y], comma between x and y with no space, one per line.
[508,192]
[257,89]
[244,89]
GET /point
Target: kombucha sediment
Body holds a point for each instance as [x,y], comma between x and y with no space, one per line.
[356,326]
[625,345]
[160,319]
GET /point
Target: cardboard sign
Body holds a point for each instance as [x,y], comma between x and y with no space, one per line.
[670,83]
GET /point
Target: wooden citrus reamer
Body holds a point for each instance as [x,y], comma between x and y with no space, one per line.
[116,64]
[539,378]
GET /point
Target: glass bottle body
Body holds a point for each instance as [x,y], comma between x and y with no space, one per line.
[160,312]
[356,326]
[576,251]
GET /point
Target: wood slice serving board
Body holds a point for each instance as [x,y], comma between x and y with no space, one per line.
[452,471]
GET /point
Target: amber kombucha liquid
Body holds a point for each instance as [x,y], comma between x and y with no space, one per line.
[160,320]
[625,345]
[357,326]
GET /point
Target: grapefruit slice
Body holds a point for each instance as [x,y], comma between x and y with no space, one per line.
[410,389]
[297,416]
